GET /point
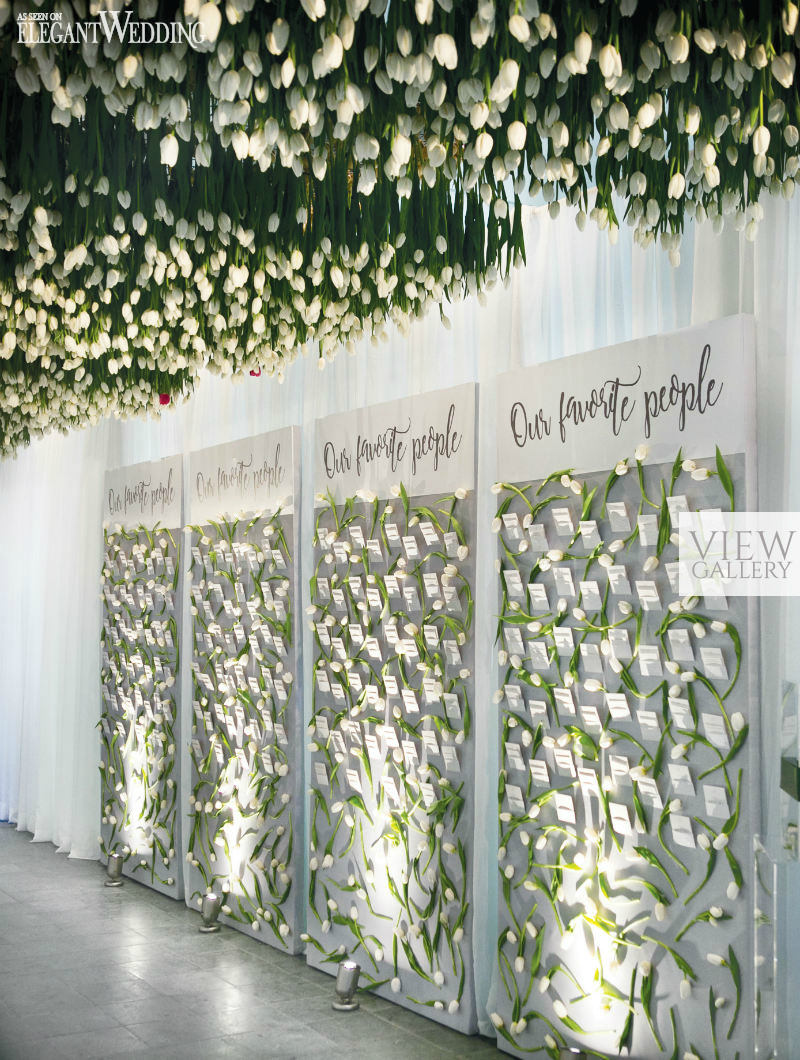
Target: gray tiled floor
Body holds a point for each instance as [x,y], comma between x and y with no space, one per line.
[91,972]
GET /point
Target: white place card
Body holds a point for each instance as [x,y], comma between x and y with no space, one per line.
[431,635]
[513,639]
[429,533]
[590,717]
[411,598]
[562,517]
[452,708]
[618,517]
[354,780]
[681,713]
[514,757]
[451,543]
[591,658]
[647,592]
[673,574]
[649,724]
[714,664]
[714,730]
[538,538]
[591,599]
[564,700]
[410,546]
[588,781]
[680,645]
[430,581]
[537,708]
[513,694]
[539,656]
[620,818]
[682,833]
[565,807]
[618,580]
[564,639]
[540,773]
[648,530]
[410,701]
[650,660]
[562,579]
[450,756]
[430,741]
[513,582]
[681,779]
[564,762]
[619,768]
[716,800]
[617,703]
[648,789]
[516,803]
[676,505]
[589,533]
[620,642]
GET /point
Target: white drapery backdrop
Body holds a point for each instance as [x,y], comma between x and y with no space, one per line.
[577,293]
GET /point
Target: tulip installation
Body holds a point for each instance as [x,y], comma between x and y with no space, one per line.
[242,841]
[623,870]
[139,722]
[391,750]
[312,173]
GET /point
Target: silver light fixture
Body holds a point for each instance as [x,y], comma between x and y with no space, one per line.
[346,986]
[209,910]
[114,870]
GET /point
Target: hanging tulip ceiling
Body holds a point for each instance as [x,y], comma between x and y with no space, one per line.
[314,172]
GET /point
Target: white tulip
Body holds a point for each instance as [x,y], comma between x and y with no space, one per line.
[519,28]
[608,60]
[761,138]
[169,146]
[783,69]
[517,135]
[315,9]
[445,51]
[677,48]
[676,187]
[483,145]
[705,40]
[209,21]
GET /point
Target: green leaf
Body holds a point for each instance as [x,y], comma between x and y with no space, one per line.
[733,967]
[627,1028]
[725,477]
[676,470]
[664,523]
[652,858]
[647,1003]
[712,1019]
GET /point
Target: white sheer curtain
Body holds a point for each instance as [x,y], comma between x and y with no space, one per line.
[577,292]
[50,509]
